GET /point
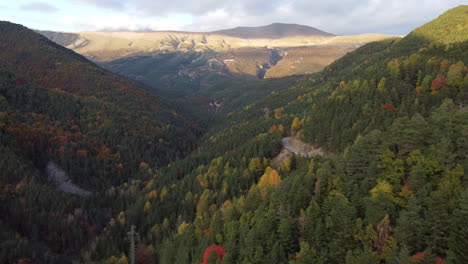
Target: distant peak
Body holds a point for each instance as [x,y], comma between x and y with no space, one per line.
[273,31]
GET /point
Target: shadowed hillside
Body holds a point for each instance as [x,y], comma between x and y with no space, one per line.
[98,130]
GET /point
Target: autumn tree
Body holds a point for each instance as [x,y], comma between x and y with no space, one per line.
[439,82]
[270,177]
[384,237]
[296,125]
[278,112]
[454,75]
[143,254]
[381,85]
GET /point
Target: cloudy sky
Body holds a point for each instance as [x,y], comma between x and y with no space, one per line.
[335,16]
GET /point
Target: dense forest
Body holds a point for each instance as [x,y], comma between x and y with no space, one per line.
[184,78]
[392,187]
[60,112]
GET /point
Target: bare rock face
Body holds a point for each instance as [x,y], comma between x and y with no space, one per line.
[59,178]
[307,149]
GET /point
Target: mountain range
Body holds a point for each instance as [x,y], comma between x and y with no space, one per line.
[196,68]
[276,50]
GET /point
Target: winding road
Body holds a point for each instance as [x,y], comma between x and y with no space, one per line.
[288,146]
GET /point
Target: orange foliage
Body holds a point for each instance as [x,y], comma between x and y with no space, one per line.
[226,205]
[420,255]
[279,112]
[273,128]
[389,107]
[207,232]
[418,90]
[281,128]
[270,177]
[439,82]
[406,191]
[153,194]
[444,64]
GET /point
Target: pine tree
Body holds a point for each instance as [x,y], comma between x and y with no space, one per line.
[458,241]
[410,227]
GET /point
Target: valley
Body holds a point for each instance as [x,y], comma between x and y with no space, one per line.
[231,52]
[272,144]
[184,64]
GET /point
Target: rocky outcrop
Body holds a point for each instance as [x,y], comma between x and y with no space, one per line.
[59,178]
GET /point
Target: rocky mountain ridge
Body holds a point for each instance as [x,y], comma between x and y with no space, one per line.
[242,51]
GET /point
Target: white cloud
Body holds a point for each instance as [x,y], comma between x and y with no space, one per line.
[340,16]
[123,22]
[334,16]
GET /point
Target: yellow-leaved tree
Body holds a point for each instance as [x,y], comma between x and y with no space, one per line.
[296,125]
[147,207]
[270,177]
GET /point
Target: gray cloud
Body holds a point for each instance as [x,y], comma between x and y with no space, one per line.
[111,4]
[335,16]
[39,7]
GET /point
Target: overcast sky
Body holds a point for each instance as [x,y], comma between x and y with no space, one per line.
[335,16]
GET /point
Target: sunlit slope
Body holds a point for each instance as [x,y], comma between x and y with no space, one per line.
[104,46]
[450,27]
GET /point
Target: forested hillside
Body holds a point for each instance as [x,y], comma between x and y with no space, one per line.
[61,113]
[196,69]
[194,79]
[392,189]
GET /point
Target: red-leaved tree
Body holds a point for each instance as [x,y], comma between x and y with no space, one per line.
[439,82]
[389,107]
[213,248]
[143,254]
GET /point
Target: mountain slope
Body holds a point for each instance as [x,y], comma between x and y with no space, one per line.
[392,116]
[273,31]
[61,38]
[111,46]
[449,27]
[65,122]
[52,69]
[393,188]
[183,65]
